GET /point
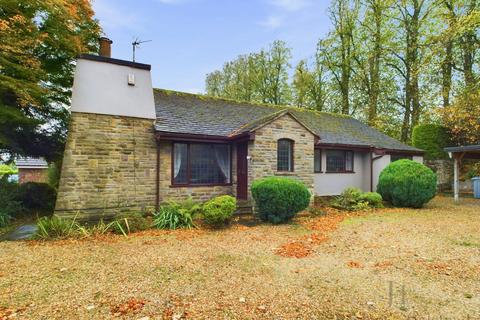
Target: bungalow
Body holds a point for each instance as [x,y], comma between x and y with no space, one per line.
[131,147]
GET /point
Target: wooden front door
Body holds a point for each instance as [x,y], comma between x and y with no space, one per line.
[242,171]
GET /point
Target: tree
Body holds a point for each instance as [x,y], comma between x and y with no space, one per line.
[256,77]
[370,58]
[462,117]
[338,49]
[39,40]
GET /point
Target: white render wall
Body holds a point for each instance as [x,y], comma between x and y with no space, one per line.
[331,184]
[102,88]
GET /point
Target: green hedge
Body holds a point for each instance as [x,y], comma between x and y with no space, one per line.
[406,183]
[37,196]
[279,199]
[432,138]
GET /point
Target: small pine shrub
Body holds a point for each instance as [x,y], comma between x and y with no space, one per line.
[37,196]
[129,223]
[218,211]
[279,199]
[353,199]
[374,199]
[172,216]
[406,183]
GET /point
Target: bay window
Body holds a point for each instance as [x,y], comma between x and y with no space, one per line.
[201,164]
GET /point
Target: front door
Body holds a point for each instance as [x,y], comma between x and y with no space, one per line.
[242,170]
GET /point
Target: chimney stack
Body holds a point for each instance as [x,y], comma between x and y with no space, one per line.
[105,47]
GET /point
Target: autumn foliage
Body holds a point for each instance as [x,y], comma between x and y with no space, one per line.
[39,40]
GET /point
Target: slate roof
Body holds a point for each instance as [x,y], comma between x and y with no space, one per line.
[179,112]
[31,163]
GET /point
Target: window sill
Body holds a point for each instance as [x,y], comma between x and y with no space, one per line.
[340,172]
[200,185]
[318,172]
[285,173]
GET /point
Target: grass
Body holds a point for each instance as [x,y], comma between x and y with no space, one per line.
[235,273]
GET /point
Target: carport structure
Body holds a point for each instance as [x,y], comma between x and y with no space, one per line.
[458,154]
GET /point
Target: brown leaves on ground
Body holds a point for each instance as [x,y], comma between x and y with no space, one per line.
[323,225]
[9,313]
[131,306]
[294,249]
[354,264]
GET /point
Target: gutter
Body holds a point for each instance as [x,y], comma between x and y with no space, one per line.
[157,199]
[372,160]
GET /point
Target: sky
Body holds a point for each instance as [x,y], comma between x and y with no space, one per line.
[191,38]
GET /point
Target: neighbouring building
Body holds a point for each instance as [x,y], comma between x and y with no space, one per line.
[32,170]
[132,147]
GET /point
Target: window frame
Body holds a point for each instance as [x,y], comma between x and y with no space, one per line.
[174,184]
[292,148]
[320,157]
[345,151]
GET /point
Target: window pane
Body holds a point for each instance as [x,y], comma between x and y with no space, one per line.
[317,160]
[208,163]
[180,174]
[395,157]
[348,160]
[335,160]
[284,155]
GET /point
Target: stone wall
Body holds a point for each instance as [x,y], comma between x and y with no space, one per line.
[444,170]
[198,193]
[32,175]
[263,151]
[109,166]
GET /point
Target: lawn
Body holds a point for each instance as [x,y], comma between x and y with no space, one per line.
[344,267]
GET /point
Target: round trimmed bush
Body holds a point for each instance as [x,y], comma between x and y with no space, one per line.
[406,183]
[279,199]
[218,211]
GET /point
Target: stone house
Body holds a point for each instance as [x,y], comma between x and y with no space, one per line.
[132,147]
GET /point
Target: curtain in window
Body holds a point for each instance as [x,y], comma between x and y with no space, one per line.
[222,155]
[348,161]
[180,154]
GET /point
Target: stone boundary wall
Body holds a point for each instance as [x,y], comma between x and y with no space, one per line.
[109,166]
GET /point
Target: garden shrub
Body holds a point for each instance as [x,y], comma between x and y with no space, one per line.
[406,183]
[374,199]
[354,199]
[10,207]
[126,223]
[37,196]
[432,138]
[55,227]
[279,199]
[218,211]
[4,219]
[173,216]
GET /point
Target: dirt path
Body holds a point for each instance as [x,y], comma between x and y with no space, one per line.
[237,273]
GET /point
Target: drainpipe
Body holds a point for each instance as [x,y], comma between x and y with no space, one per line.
[372,159]
[157,200]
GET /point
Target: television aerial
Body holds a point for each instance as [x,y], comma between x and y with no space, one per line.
[136,43]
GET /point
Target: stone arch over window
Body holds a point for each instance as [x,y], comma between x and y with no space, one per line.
[285,154]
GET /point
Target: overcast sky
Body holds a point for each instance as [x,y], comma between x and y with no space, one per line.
[193,37]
